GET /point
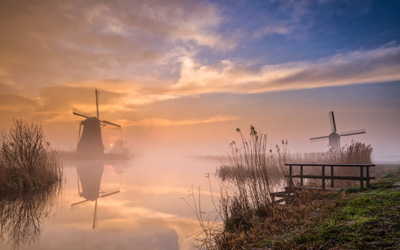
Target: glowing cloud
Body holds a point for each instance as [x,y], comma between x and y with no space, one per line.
[371,66]
[158,122]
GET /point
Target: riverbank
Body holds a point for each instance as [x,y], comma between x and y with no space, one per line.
[346,219]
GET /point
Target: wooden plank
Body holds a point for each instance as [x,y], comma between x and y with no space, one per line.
[327,165]
[362,177]
[312,188]
[279,201]
[281,194]
[301,174]
[354,178]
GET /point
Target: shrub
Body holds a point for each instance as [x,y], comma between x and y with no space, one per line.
[26,160]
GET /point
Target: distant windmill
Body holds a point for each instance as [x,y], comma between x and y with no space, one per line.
[334,137]
[90,141]
[89,182]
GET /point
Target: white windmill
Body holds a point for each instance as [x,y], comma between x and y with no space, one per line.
[334,137]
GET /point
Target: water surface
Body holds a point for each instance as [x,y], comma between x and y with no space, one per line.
[124,205]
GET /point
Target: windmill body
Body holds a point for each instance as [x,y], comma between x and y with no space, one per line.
[334,140]
[334,137]
[89,176]
[91,140]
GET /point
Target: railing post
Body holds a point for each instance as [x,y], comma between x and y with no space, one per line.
[301,175]
[332,183]
[367,176]
[290,177]
[362,177]
[323,177]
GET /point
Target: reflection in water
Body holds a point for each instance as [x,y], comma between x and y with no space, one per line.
[89,181]
[22,216]
[146,214]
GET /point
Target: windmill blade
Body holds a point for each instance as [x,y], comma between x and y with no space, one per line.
[80,202]
[332,121]
[108,194]
[354,132]
[319,138]
[110,123]
[97,103]
[80,113]
[95,214]
[79,186]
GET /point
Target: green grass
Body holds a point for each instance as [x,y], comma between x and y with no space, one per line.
[362,220]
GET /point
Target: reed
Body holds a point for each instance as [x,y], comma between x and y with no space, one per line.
[248,176]
[251,173]
[27,162]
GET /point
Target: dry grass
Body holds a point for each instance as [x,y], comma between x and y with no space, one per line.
[26,160]
[252,171]
[356,153]
[250,174]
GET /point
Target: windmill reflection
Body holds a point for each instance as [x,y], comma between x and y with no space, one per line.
[89,176]
[22,217]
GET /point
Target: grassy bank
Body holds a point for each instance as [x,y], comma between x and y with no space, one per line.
[314,219]
[27,161]
[348,219]
[351,219]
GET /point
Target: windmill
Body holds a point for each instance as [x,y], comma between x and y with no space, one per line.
[334,137]
[89,181]
[90,141]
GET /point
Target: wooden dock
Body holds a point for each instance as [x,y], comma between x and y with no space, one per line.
[288,194]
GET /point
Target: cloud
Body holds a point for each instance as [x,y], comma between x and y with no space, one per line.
[160,122]
[53,42]
[281,29]
[369,66]
[13,103]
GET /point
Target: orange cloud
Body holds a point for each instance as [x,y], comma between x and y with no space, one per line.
[159,122]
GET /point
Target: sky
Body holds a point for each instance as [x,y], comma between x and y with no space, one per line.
[181,75]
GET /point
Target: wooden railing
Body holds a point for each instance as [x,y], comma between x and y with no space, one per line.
[362,177]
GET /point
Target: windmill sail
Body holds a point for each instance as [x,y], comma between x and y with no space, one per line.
[95,214]
[318,138]
[332,121]
[79,202]
[80,113]
[353,132]
[110,123]
[97,104]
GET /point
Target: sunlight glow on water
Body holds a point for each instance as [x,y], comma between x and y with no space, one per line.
[147,213]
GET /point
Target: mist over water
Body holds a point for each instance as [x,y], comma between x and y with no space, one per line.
[146,213]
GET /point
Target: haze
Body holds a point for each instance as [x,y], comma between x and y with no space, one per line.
[181,76]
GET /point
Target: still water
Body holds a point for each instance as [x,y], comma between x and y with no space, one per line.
[121,205]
